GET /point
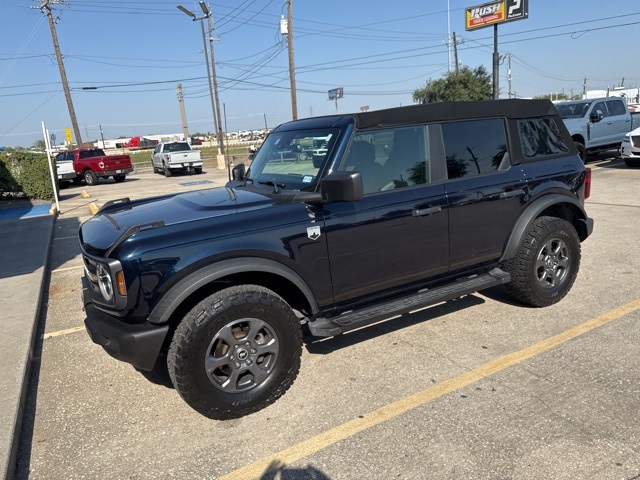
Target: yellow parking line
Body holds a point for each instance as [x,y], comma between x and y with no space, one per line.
[47,336]
[388,412]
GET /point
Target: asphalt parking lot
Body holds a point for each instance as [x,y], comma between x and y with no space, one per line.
[480,387]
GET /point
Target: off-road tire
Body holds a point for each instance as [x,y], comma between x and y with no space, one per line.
[119,178]
[546,262]
[210,326]
[90,178]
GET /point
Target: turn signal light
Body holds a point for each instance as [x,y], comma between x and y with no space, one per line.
[122,288]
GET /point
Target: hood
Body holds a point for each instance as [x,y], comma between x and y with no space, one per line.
[116,222]
[574,125]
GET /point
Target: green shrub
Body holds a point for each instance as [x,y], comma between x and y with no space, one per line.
[25,173]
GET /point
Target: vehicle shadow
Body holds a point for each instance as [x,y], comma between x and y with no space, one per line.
[325,345]
[277,470]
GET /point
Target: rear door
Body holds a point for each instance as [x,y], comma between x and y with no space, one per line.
[486,193]
[397,235]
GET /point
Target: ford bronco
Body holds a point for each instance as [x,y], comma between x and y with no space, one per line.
[400,209]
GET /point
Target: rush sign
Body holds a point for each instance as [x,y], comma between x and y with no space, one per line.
[499,11]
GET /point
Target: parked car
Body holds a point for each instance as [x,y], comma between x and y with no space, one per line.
[90,164]
[407,207]
[175,156]
[596,123]
[65,171]
[630,148]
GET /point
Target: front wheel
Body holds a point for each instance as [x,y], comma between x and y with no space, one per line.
[632,163]
[90,178]
[546,263]
[235,352]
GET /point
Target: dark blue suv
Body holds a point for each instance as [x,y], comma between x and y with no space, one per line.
[339,222]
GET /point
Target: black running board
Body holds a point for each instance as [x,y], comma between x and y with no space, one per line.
[327,327]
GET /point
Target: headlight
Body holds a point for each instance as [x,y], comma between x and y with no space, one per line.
[104,282]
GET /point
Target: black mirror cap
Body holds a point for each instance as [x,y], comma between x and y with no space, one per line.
[238,172]
[342,187]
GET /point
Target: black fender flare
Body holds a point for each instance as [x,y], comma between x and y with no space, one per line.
[531,213]
[198,279]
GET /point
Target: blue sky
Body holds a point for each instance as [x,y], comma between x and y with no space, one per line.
[135,53]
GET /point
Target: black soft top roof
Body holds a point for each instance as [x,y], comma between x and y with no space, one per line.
[432,112]
[444,111]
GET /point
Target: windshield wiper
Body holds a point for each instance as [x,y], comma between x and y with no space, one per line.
[276,186]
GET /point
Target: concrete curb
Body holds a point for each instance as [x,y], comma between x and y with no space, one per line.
[18,339]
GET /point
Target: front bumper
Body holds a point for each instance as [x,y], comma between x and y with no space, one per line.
[136,343]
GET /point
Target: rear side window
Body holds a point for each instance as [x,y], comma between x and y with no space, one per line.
[616,107]
[475,147]
[541,137]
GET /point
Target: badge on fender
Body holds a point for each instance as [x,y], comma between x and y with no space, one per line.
[313,233]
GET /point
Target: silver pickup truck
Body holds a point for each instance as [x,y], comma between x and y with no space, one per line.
[596,123]
[175,156]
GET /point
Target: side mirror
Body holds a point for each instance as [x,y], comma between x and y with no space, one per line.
[596,116]
[238,172]
[342,187]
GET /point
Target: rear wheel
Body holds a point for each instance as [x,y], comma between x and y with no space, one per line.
[166,170]
[119,178]
[546,263]
[198,170]
[90,178]
[236,352]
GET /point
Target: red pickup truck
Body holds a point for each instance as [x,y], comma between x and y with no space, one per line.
[91,164]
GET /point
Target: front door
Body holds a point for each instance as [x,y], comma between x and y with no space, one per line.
[397,235]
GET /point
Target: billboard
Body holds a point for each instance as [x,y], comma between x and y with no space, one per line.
[336,93]
[492,13]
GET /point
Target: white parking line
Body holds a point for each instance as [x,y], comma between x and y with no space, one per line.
[66,269]
[47,336]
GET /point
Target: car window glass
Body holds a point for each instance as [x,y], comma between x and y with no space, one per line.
[474,147]
[541,137]
[616,107]
[602,107]
[70,156]
[389,159]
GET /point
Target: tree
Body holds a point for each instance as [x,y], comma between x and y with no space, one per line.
[466,84]
[39,145]
[558,96]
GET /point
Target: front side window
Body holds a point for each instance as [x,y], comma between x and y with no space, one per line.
[541,137]
[474,147]
[293,159]
[573,110]
[602,108]
[389,159]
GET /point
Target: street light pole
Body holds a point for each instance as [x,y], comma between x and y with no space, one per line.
[206,57]
[215,88]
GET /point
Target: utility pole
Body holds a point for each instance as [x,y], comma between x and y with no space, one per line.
[292,74]
[185,129]
[509,72]
[455,51]
[584,88]
[496,64]
[215,88]
[46,8]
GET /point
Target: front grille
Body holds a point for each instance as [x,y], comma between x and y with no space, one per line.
[635,141]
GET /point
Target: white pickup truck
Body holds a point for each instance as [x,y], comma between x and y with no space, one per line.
[174,156]
[596,123]
[65,170]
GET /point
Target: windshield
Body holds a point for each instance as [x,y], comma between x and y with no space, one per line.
[573,110]
[292,160]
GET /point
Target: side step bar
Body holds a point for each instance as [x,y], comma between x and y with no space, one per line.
[327,327]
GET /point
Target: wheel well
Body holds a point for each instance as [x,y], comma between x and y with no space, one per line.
[570,213]
[279,285]
[578,138]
